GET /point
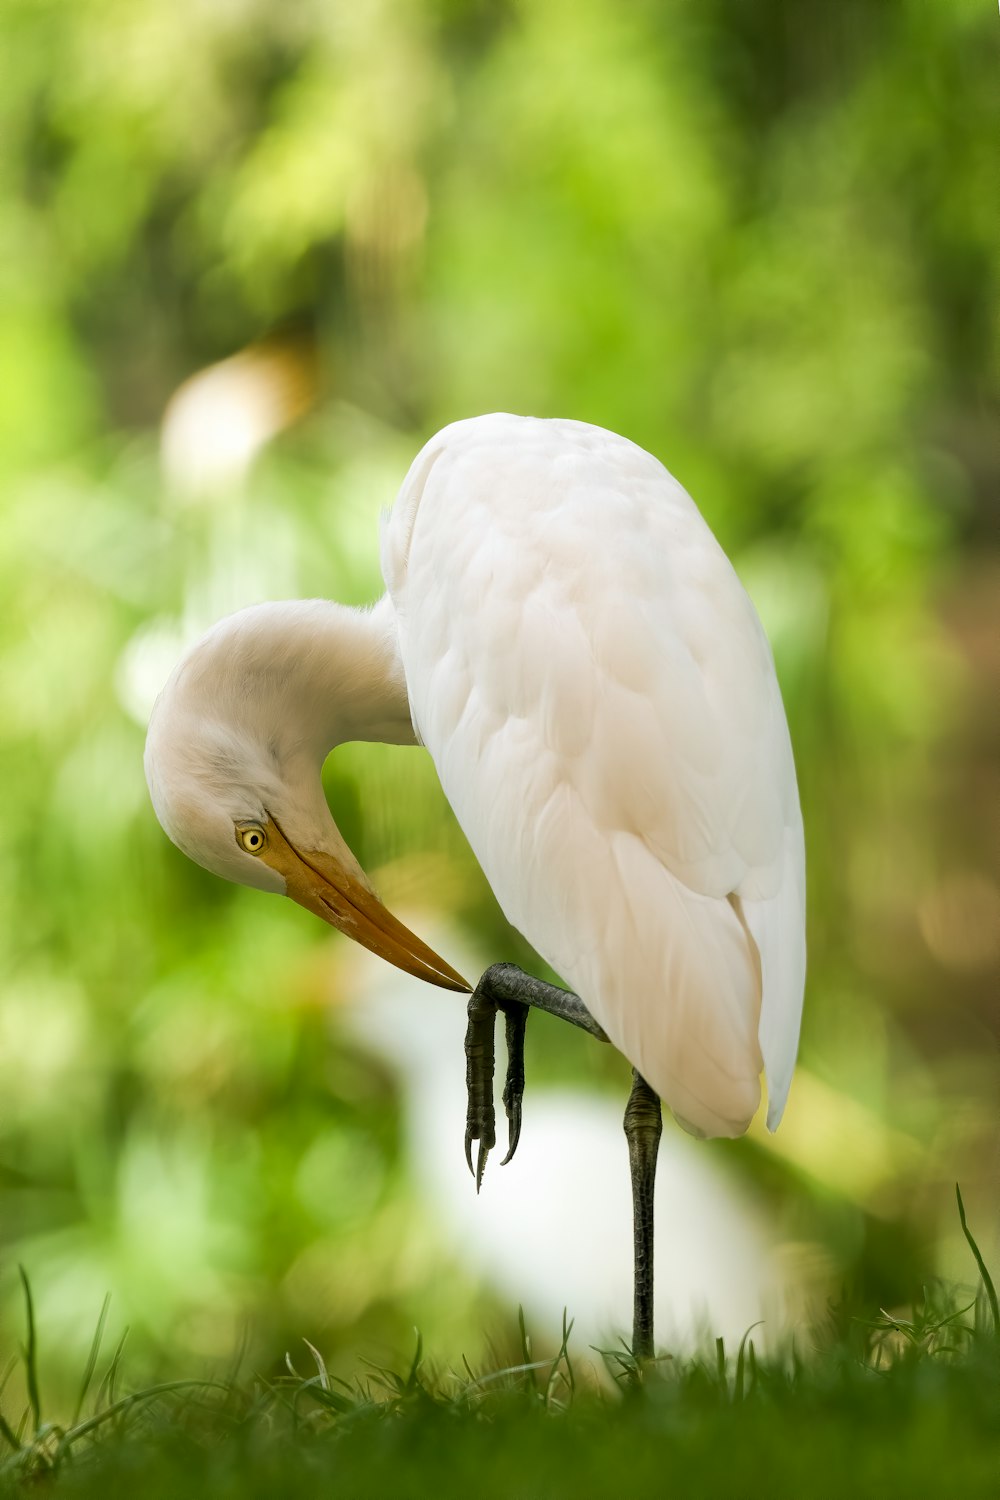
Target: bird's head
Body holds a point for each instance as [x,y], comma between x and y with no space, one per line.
[234,777]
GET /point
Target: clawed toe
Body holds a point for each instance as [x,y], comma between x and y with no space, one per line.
[516,1017]
[514,1127]
[480,1121]
[506,987]
[484,1151]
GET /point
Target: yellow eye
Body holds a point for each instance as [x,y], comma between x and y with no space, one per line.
[252,838]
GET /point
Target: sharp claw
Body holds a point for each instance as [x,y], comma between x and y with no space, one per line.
[479,1058]
[479,1055]
[514,1127]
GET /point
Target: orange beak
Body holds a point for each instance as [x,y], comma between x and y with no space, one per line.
[325,887]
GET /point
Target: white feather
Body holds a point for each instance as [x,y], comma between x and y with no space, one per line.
[601,705]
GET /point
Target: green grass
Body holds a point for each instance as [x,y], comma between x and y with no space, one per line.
[877,1406]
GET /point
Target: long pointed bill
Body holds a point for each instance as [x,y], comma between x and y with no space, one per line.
[321,884]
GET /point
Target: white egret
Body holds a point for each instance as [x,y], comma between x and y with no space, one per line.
[564,634]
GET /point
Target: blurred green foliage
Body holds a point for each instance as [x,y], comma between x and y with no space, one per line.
[761,241]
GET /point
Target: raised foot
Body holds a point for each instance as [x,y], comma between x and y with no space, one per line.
[480,1122]
[506,987]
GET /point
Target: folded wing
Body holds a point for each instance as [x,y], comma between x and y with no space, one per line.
[600,702]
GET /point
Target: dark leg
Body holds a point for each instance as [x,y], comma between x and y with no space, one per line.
[642,1130]
[506,987]
[504,983]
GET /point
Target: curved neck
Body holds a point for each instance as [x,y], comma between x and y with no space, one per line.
[354,667]
[306,675]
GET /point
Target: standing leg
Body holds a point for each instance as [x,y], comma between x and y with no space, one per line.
[643,1124]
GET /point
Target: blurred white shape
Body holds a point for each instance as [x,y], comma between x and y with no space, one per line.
[145,664]
[241,564]
[218,421]
[553,1229]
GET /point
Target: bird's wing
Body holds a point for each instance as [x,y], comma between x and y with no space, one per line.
[600,703]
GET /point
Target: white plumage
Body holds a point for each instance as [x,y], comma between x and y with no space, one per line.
[565,635]
[600,702]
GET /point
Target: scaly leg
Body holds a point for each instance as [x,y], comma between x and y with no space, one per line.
[506,987]
[643,1124]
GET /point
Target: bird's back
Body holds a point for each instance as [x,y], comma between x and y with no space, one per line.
[600,702]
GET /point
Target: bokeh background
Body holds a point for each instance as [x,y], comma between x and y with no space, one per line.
[251,256]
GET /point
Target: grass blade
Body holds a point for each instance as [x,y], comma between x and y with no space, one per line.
[8,1372]
[508,1370]
[741,1359]
[413,1379]
[526,1347]
[8,1434]
[991,1291]
[31,1353]
[562,1356]
[126,1404]
[92,1358]
[324,1395]
[109,1383]
[320,1362]
[567,1330]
